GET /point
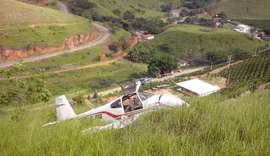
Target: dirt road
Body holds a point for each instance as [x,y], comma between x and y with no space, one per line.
[187,71]
[104,35]
[62,6]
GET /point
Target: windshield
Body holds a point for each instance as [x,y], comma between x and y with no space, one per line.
[116,104]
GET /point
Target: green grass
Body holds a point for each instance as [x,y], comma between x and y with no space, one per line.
[182,38]
[208,127]
[149,8]
[23,26]
[21,37]
[14,12]
[245,9]
[119,35]
[90,79]
[80,58]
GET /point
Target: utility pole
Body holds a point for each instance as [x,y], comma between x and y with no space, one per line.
[229,66]
[255,52]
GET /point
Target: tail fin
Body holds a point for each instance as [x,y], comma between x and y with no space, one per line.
[63,109]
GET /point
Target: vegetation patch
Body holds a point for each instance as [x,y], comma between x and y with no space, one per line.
[199,45]
[255,69]
[209,126]
[244,9]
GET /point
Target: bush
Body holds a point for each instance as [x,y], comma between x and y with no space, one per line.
[79,99]
[117,12]
[128,16]
[114,47]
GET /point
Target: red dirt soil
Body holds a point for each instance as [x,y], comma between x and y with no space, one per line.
[7,54]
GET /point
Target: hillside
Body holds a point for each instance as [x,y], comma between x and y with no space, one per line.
[24,26]
[253,69]
[99,10]
[245,9]
[14,12]
[183,38]
[210,126]
[141,8]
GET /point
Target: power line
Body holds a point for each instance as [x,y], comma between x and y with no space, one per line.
[229,66]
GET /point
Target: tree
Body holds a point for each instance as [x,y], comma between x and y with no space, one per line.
[166,7]
[142,53]
[153,71]
[128,15]
[117,12]
[162,62]
[23,91]
[114,46]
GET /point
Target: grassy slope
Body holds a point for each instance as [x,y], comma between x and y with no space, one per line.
[51,26]
[90,79]
[151,7]
[208,127]
[181,38]
[245,9]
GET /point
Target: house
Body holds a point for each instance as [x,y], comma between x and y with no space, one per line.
[182,63]
[197,87]
[148,37]
[243,28]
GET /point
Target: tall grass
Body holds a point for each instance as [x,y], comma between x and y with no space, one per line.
[208,127]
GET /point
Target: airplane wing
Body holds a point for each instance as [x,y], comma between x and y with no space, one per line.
[115,125]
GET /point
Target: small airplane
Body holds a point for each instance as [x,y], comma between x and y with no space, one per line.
[121,111]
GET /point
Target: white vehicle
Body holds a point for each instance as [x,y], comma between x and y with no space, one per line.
[122,111]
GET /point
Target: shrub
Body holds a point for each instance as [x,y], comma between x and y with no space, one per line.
[79,99]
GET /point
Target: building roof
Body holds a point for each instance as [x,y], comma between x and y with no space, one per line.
[243,26]
[198,86]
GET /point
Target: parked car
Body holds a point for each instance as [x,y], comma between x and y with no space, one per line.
[145,80]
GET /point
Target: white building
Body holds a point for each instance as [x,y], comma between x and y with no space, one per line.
[243,28]
[197,87]
[149,37]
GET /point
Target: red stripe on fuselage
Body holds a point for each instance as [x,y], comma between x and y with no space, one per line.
[118,116]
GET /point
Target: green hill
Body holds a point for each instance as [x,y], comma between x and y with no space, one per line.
[105,8]
[211,125]
[184,38]
[141,8]
[245,9]
[23,25]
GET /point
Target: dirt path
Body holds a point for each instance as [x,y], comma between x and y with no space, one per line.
[104,63]
[104,35]
[62,6]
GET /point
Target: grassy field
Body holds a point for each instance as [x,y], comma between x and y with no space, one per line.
[182,38]
[210,126]
[245,9]
[89,79]
[83,57]
[23,25]
[14,12]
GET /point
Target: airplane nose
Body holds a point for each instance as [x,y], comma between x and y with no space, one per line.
[171,100]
